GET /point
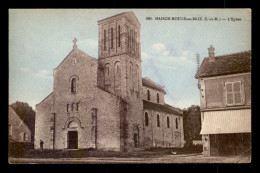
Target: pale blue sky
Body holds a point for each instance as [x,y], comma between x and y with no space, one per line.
[40,39]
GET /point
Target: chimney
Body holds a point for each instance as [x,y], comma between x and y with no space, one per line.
[211,53]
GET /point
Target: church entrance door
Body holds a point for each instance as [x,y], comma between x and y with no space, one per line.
[136,140]
[136,136]
[72,140]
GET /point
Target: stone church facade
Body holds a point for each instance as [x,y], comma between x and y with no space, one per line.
[105,103]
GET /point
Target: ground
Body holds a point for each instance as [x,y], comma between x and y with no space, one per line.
[85,157]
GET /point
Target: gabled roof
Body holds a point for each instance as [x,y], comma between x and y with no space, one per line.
[225,64]
[77,50]
[45,98]
[151,84]
[12,111]
[160,107]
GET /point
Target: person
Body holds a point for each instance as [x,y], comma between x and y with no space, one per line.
[41,144]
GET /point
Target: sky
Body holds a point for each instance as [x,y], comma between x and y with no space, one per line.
[40,39]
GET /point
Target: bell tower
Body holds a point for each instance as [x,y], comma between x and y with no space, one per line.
[119,54]
[120,72]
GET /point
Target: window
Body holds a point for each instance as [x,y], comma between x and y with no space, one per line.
[148,95]
[158,99]
[105,39]
[131,38]
[176,123]
[158,120]
[119,36]
[134,35]
[168,122]
[135,42]
[128,39]
[23,136]
[112,38]
[146,119]
[107,70]
[77,106]
[72,106]
[73,86]
[233,92]
[68,107]
[117,69]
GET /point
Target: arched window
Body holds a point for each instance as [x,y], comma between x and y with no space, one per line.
[72,106]
[168,122]
[130,70]
[146,119]
[158,120]
[105,39]
[73,86]
[135,42]
[148,95]
[158,99]
[128,37]
[112,38]
[117,67]
[119,36]
[77,106]
[68,106]
[176,123]
[107,69]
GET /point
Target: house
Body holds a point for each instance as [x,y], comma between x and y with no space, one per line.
[225,103]
[105,103]
[18,130]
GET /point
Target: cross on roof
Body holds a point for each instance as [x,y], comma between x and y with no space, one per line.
[74,41]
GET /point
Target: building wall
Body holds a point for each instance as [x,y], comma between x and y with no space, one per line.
[213,97]
[163,136]
[127,83]
[213,92]
[44,113]
[89,97]
[17,128]
[153,95]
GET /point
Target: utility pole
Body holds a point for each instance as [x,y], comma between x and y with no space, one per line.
[198,67]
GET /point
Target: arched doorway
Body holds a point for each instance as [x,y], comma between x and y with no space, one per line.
[72,140]
[72,135]
[136,136]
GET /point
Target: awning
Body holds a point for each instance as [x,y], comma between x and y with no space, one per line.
[226,121]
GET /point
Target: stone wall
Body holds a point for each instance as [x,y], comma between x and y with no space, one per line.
[153,95]
[44,114]
[163,136]
[17,127]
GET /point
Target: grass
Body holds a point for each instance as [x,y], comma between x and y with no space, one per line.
[81,153]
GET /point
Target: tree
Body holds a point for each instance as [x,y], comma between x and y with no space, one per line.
[191,124]
[27,114]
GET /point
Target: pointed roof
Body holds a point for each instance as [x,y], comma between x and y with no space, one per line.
[12,111]
[126,14]
[151,84]
[76,50]
[225,64]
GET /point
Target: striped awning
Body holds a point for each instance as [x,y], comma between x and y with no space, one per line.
[226,121]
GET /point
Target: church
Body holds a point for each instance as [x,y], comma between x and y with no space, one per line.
[104,103]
